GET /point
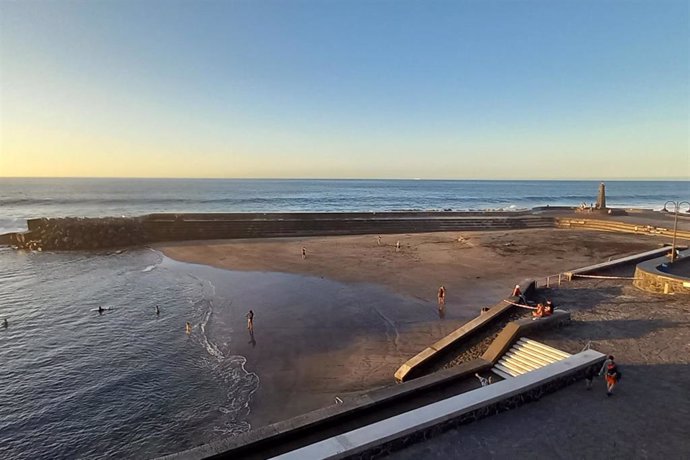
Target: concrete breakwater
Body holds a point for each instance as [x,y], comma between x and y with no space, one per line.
[113,232]
[78,233]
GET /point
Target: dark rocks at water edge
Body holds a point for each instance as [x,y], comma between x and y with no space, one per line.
[80,233]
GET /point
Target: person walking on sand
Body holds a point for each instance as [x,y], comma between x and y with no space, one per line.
[250,321]
[441,297]
[304,253]
[378,240]
[397,246]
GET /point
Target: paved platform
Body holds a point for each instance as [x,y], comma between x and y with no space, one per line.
[359,441]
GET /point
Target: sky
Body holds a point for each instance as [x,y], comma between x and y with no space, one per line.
[345,89]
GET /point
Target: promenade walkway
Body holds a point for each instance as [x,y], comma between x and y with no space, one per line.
[649,414]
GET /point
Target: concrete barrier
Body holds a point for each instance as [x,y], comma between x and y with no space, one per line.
[617,262]
[391,434]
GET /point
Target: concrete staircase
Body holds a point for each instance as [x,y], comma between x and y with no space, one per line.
[527,355]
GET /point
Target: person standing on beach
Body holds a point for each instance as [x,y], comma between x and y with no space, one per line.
[441,297]
[250,321]
[378,240]
[304,253]
[397,246]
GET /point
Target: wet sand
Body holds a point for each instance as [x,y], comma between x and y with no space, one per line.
[361,309]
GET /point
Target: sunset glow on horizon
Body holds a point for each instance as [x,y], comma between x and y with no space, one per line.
[308,89]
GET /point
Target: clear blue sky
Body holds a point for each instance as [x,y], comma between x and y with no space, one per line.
[375,89]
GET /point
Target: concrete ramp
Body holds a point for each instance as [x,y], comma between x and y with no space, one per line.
[527,355]
[416,425]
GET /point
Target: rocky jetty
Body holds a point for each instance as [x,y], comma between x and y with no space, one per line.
[80,233]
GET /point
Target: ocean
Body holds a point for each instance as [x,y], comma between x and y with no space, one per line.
[27,198]
[129,383]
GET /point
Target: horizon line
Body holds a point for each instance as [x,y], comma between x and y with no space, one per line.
[610,179]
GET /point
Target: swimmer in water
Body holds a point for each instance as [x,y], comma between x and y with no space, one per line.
[100,310]
[5,324]
[188,327]
[158,310]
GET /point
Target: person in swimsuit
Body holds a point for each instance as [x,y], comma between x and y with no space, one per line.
[250,321]
[441,297]
[158,310]
[304,253]
[516,291]
[100,310]
[378,240]
[188,327]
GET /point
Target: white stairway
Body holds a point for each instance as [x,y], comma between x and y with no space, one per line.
[527,355]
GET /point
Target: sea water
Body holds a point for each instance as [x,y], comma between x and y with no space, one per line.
[125,383]
[27,198]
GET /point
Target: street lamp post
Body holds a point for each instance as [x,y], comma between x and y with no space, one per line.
[676,208]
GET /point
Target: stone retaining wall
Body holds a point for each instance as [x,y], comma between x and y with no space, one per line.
[651,276]
[80,233]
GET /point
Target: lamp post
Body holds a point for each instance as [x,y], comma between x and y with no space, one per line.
[676,208]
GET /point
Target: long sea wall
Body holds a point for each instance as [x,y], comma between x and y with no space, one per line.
[112,232]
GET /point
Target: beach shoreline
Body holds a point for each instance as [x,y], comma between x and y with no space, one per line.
[364,308]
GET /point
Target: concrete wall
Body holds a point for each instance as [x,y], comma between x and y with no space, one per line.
[93,233]
[622,227]
[380,439]
[82,233]
[651,276]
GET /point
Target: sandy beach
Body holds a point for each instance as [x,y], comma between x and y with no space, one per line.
[358,309]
